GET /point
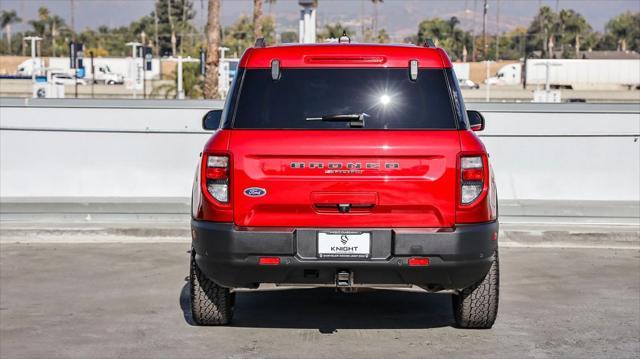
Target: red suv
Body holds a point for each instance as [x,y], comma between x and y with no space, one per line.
[345,165]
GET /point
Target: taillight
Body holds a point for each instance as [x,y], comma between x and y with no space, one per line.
[472,179]
[477,199]
[217,177]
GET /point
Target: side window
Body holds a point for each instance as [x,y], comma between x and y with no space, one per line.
[458,101]
[230,102]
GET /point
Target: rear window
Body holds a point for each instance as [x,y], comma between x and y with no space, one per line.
[387,98]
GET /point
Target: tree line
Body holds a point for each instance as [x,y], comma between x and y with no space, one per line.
[562,34]
[170,31]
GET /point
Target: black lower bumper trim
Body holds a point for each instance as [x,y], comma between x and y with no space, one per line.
[457,259]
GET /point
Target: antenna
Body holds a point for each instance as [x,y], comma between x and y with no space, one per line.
[344,39]
[260,42]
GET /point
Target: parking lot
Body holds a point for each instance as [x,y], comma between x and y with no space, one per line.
[131,300]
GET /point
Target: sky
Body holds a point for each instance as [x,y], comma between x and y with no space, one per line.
[398,17]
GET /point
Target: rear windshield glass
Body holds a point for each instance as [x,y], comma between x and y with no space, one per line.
[386,99]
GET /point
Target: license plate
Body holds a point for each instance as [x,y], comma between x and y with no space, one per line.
[342,244]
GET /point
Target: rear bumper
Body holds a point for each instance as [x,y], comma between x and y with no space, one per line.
[229,256]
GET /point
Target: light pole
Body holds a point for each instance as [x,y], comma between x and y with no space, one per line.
[498,30]
[547,95]
[93,73]
[179,60]
[223,73]
[488,88]
[134,65]
[222,51]
[547,65]
[485,45]
[33,40]
[134,45]
[307,23]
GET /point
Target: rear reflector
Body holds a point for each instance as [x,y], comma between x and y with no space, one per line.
[416,261]
[269,261]
[216,173]
[473,174]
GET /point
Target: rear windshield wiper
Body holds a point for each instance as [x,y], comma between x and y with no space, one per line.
[355,119]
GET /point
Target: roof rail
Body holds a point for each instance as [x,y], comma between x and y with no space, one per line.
[260,42]
[428,43]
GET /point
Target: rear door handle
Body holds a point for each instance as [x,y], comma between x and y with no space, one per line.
[344,207]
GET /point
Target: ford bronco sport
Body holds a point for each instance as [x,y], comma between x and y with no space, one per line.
[346,165]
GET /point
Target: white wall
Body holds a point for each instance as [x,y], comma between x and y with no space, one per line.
[565,156]
[150,149]
[94,152]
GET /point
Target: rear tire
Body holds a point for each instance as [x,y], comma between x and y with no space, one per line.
[477,306]
[211,304]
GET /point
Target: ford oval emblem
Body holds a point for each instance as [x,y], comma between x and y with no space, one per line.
[255,192]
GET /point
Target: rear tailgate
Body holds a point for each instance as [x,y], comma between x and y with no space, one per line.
[344,178]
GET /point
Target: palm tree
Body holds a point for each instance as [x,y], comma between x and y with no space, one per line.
[542,29]
[436,29]
[383,37]
[271,2]
[213,43]
[334,31]
[173,29]
[42,29]
[40,25]
[444,33]
[56,25]
[375,15]
[271,16]
[574,26]
[192,83]
[621,27]
[7,18]
[257,19]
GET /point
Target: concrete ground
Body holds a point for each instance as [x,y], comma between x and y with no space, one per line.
[86,300]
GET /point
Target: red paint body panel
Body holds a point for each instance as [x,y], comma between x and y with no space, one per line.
[302,178]
[420,192]
[345,55]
